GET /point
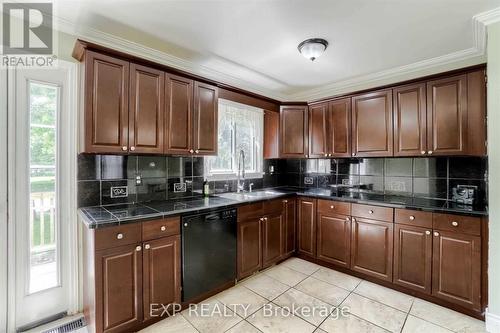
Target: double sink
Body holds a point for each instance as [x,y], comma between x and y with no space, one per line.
[250,196]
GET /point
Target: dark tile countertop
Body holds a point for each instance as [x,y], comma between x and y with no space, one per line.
[101,216]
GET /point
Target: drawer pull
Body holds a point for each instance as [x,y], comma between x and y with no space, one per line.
[163,228]
[147,246]
[138,248]
[370,211]
[332,206]
[436,233]
[454,223]
[285,201]
[429,152]
[119,236]
[132,148]
[412,218]
[124,148]
[427,232]
[422,152]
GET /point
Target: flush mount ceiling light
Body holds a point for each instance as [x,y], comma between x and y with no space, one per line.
[312,48]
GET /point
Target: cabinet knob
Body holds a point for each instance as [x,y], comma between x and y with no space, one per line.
[124,148]
[370,211]
[329,155]
[348,219]
[132,148]
[147,246]
[138,248]
[163,228]
[191,151]
[119,236]
[196,151]
[436,234]
[412,218]
[353,154]
[429,152]
[332,206]
[454,223]
[285,201]
[307,155]
[353,219]
[422,152]
[265,218]
[427,232]
[326,155]
[185,224]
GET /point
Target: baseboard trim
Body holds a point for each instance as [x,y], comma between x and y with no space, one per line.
[492,322]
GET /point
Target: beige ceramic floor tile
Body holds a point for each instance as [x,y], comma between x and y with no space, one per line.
[385,295]
[337,278]
[172,324]
[265,286]
[375,312]
[273,319]
[417,325]
[241,300]
[301,265]
[306,307]
[350,324]
[285,275]
[447,318]
[211,317]
[323,291]
[243,327]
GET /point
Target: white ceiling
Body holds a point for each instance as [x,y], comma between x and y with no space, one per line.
[254,42]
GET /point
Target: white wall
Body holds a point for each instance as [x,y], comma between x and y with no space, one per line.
[493,317]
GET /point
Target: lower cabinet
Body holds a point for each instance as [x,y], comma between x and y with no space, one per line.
[249,247]
[334,239]
[372,248]
[272,239]
[290,224]
[413,257]
[306,228]
[456,275]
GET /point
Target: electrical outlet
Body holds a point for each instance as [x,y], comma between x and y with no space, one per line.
[308,180]
[119,191]
[398,186]
[180,187]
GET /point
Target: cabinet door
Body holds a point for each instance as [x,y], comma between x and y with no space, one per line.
[118,279]
[456,271]
[372,128]
[293,129]
[340,128]
[179,101]
[413,257]
[290,218]
[272,239]
[318,130]
[249,247]
[271,134]
[410,127]
[307,227]
[447,115]
[146,122]
[334,239]
[206,104]
[371,248]
[162,274]
[106,104]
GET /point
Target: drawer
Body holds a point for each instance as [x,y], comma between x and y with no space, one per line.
[119,235]
[373,212]
[413,217]
[273,206]
[334,207]
[250,211]
[458,223]
[161,228]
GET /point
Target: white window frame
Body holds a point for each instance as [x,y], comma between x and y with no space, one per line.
[258,153]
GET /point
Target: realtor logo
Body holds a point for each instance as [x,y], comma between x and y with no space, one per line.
[27,28]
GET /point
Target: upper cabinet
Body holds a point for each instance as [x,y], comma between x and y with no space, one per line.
[106,104]
[293,131]
[318,131]
[372,132]
[131,108]
[271,134]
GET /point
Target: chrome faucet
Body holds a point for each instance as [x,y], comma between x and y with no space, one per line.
[241,172]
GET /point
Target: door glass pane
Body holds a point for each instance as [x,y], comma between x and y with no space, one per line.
[43,107]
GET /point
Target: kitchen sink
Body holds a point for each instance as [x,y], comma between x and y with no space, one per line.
[248,196]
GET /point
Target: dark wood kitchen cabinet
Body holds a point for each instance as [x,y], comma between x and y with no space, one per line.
[413,257]
[179,111]
[334,232]
[293,131]
[290,224]
[249,247]
[410,120]
[318,131]
[272,239]
[306,226]
[127,268]
[205,120]
[372,247]
[106,108]
[457,268]
[372,128]
[271,134]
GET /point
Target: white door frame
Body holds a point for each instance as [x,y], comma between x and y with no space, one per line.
[68,191]
[3,201]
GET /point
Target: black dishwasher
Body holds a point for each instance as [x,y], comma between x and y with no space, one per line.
[208,252]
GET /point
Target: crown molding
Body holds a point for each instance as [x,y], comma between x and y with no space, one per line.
[463,58]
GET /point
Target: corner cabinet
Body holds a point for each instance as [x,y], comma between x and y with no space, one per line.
[293,131]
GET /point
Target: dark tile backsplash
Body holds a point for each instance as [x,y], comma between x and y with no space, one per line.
[432,177]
